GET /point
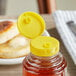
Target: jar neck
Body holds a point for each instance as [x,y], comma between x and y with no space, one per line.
[43,57]
[50,61]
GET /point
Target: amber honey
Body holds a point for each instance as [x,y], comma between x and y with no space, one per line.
[44,66]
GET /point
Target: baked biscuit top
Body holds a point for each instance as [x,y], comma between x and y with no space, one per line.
[5,25]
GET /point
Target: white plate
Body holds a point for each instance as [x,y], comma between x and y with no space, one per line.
[15,60]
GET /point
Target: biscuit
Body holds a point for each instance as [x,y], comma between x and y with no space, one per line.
[17,47]
[8,30]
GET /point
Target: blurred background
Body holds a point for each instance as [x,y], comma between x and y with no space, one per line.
[16,7]
[13,8]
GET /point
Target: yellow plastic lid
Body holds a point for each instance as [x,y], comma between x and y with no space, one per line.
[44,46]
[31,24]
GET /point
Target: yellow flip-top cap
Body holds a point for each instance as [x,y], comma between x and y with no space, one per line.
[31,25]
[44,46]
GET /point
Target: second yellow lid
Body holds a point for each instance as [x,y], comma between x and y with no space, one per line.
[31,25]
[44,46]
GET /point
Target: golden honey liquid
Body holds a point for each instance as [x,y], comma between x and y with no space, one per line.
[44,66]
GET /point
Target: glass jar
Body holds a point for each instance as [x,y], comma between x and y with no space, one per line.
[44,66]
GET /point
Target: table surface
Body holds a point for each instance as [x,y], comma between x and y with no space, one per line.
[16,70]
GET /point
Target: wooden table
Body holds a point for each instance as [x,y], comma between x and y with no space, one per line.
[16,70]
